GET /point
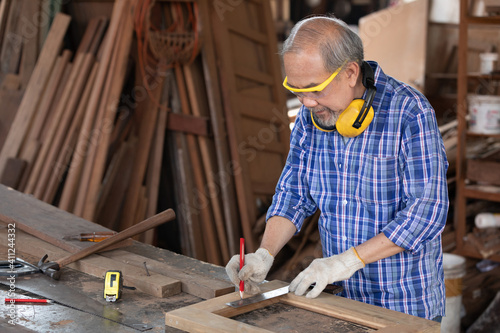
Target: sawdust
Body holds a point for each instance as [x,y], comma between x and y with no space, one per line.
[62,323]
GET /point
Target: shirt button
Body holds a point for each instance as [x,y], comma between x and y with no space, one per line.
[344,202]
[344,238]
[340,165]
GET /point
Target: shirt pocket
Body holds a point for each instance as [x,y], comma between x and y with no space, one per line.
[380,187]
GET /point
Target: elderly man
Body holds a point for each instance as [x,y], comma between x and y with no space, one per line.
[366,151]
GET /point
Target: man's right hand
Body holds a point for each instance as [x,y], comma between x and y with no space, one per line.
[257,265]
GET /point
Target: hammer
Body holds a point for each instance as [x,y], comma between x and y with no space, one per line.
[53,268]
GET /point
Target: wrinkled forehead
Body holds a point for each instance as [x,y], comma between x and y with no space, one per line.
[304,69]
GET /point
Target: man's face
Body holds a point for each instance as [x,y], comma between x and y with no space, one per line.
[305,70]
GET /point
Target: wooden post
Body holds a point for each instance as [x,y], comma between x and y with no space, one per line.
[35,89]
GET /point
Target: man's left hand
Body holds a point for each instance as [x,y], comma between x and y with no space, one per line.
[325,271]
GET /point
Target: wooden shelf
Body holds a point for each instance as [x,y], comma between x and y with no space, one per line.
[443,76]
[480,135]
[487,20]
[464,191]
[483,76]
[469,251]
[482,192]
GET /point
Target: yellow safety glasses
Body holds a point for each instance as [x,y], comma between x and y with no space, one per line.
[314,90]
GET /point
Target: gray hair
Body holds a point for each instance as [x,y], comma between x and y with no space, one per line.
[335,40]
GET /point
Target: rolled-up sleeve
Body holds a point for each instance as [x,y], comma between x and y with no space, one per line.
[423,159]
[292,199]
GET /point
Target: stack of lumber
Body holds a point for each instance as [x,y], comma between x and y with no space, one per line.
[113,133]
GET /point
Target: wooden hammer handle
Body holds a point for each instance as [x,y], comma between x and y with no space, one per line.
[149,223]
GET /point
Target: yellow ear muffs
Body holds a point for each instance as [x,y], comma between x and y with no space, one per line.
[345,123]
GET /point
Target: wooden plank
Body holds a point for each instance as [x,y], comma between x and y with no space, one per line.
[214,315]
[116,183]
[193,282]
[202,203]
[224,178]
[110,104]
[89,136]
[192,241]
[10,104]
[155,284]
[13,172]
[68,147]
[146,131]
[59,114]
[35,89]
[188,124]
[45,221]
[154,170]
[29,30]
[196,90]
[84,141]
[4,13]
[89,35]
[31,146]
[13,40]
[47,100]
[61,130]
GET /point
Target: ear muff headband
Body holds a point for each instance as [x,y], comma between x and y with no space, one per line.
[369,83]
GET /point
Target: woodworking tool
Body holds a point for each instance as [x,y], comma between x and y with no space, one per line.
[28,301]
[113,284]
[242,263]
[275,293]
[53,269]
[17,267]
[91,236]
[259,298]
[59,293]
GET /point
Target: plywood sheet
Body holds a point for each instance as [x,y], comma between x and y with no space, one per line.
[396,37]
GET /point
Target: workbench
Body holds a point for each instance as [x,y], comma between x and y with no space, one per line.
[134,304]
[176,292]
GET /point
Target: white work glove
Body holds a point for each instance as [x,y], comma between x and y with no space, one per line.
[325,271]
[255,270]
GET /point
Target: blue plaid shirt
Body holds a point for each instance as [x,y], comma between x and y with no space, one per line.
[390,179]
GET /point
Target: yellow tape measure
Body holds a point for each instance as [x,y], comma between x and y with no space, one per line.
[113,284]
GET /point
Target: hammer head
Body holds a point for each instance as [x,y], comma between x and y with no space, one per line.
[49,268]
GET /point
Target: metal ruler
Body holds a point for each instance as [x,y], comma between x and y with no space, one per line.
[331,289]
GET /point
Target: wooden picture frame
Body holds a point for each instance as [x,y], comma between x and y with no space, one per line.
[215,316]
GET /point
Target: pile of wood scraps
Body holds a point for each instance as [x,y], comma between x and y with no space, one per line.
[486,241]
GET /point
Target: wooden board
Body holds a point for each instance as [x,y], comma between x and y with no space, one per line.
[215,316]
[483,171]
[398,32]
[35,88]
[155,284]
[198,278]
[193,282]
[45,221]
[249,68]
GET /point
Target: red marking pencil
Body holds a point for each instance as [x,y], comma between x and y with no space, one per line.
[242,263]
[28,300]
